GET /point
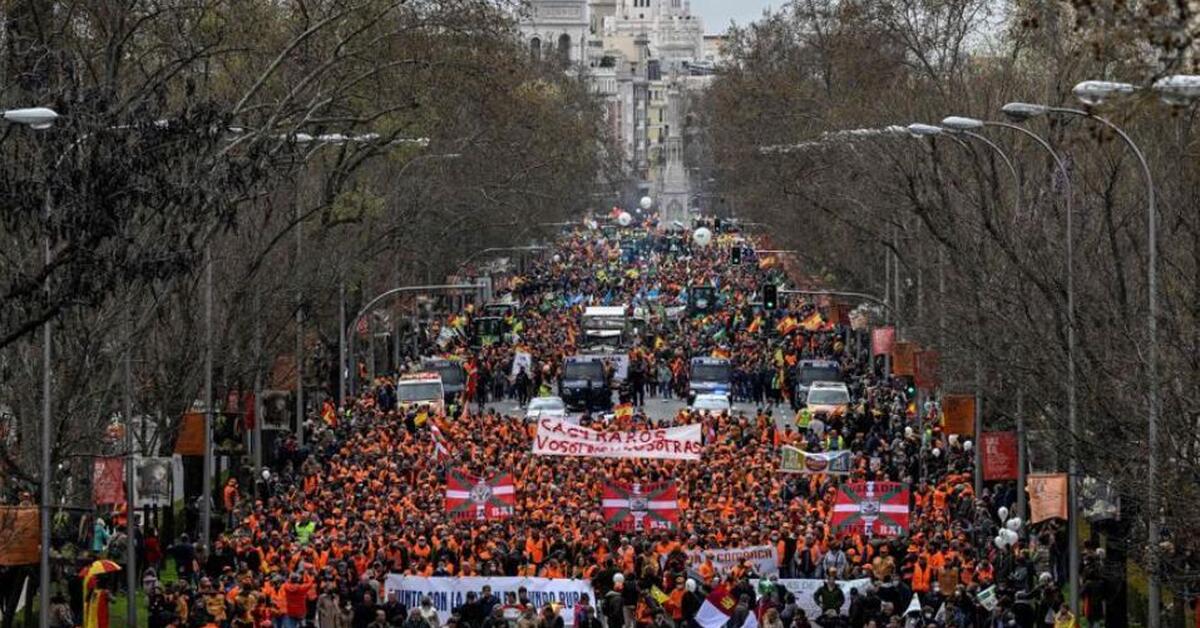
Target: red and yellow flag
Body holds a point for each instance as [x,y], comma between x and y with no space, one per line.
[813,322]
[623,411]
[787,325]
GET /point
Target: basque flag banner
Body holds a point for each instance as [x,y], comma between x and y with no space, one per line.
[874,508]
[718,608]
[630,507]
[469,497]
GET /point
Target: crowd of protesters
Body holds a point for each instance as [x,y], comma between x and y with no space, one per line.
[364,497]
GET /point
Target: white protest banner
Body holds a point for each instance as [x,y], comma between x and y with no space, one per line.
[448,594]
[803,589]
[559,438]
[522,360]
[764,558]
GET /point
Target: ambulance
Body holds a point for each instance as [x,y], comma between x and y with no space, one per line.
[415,390]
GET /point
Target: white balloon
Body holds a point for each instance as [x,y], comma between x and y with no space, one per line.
[936,452]
[1014,524]
[646,202]
[702,236]
[1002,512]
[1009,536]
[557,258]
[967,445]
[953,439]
[624,219]
[999,541]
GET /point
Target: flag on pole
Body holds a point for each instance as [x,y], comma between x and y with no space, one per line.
[813,322]
[440,450]
[469,497]
[718,608]
[630,507]
[787,326]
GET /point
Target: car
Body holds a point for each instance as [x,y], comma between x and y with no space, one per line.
[546,407]
[712,403]
[828,398]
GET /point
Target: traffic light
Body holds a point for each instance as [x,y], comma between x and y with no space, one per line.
[735,256]
[770,294]
[910,388]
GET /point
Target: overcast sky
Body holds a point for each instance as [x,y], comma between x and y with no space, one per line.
[718,13]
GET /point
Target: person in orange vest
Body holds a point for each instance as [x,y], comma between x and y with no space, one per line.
[922,576]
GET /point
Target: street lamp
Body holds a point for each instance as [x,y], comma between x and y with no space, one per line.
[39,118]
[1175,90]
[965,124]
[42,118]
[1093,93]
[928,130]
[1179,90]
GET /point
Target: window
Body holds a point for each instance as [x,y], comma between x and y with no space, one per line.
[535,48]
[564,48]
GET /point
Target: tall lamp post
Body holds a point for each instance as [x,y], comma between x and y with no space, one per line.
[931,130]
[1175,90]
[42,118]
[966,124]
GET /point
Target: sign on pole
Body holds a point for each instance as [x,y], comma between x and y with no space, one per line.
[999,455]
[904,358]
[958,414]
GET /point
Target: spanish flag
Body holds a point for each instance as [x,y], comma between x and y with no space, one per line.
[721,352]
[623,411]
[787,326]
[755,325]
[813,322]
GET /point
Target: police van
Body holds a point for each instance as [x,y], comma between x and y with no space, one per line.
[709,376]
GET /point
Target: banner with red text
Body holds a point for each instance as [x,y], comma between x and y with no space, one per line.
[559,438]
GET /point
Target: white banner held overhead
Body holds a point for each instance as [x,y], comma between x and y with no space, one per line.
[522,360]
[559,438]
[803,589]
[448,594]
[764,558]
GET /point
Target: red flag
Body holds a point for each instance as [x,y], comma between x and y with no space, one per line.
[882,339]
[873,508]
[108,481]
[469,497]
[630,507]
[787,326]
[440,450]
[813,322]
[999,455]
[249,416]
